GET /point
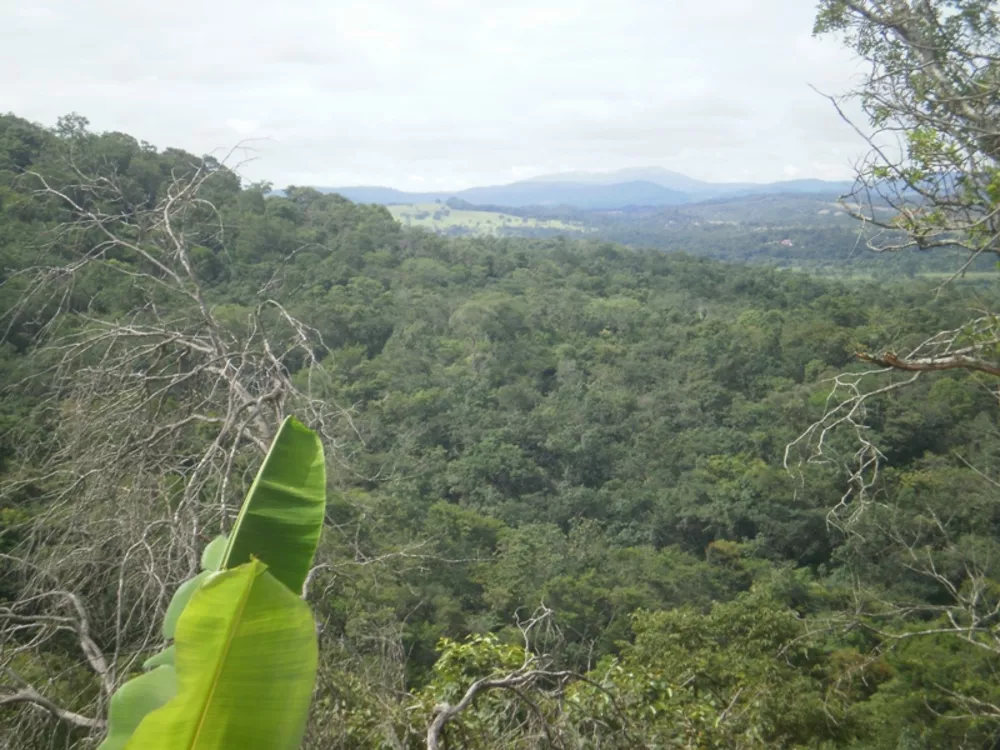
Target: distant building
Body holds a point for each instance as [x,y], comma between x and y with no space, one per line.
[788,243]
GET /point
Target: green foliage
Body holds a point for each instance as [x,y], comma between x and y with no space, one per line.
[136,699]
[245,663]
[746,656]
[557,422]
[243,658]
[282,515]
[488,721]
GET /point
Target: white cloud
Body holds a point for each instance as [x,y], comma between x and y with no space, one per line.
[241,127]
[455,93]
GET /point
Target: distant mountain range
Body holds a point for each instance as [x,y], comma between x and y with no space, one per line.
[622,188]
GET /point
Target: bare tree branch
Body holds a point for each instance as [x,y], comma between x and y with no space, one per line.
[445,712]
[31,697]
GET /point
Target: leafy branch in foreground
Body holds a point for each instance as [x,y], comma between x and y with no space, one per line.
[930,181]
[931,178]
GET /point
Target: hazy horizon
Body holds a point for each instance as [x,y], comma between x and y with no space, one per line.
[440,95]
[573,176]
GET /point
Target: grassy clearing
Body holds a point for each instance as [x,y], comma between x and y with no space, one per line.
[440,218]
[968,276]
[848,274]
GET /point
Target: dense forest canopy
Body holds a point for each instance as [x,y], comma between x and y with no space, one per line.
[521,426]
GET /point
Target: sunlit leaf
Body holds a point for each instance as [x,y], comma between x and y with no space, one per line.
[246,657]
[282,516]
[179,602]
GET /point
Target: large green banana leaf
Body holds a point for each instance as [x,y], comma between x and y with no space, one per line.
[282,515]
[279,524]
[245,663]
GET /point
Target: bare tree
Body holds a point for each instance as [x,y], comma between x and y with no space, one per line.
[151,422]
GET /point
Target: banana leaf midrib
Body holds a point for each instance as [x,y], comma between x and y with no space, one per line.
[234,624]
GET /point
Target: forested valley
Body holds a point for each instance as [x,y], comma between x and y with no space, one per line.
[520,427]
[579,494]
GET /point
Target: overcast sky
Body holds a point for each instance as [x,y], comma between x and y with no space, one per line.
[443,94]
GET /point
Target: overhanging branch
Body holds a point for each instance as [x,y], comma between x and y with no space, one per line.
[930,364]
